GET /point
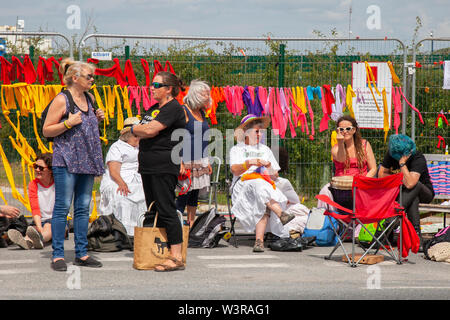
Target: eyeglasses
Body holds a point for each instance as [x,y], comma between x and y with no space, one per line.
[39,168]
[348,129]
[88,76]
[158,85]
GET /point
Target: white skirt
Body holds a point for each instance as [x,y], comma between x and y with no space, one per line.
[249,205]
[126,209]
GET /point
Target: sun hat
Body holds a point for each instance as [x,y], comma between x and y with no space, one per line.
[248,119]
[128,123]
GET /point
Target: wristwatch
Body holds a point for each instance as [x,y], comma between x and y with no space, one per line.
[402,164]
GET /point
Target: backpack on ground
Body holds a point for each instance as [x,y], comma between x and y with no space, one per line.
[441,236]
[319,226]
[207,230]
[107,234]
[66,116]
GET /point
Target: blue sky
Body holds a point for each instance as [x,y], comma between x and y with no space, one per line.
[253,18]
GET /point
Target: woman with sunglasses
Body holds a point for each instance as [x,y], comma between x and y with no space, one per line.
[41,192]
[77,160]
[352,155]
[158,167]
[257,202]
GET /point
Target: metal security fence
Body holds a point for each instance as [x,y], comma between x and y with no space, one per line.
[269,62]
[428,94]
[37,43]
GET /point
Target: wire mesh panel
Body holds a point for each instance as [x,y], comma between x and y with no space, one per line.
[269,63]
[430,96]
[277,63]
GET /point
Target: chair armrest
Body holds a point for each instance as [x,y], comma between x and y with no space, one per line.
[326,199]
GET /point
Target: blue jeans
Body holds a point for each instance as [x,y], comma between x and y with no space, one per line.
[68,186]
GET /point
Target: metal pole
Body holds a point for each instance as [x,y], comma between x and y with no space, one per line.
[281,66]
[404,110]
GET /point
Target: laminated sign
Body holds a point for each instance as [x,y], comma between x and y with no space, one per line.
[368,81]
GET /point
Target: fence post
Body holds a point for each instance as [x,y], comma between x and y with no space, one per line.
[127,52]
[281,66]
[31,52]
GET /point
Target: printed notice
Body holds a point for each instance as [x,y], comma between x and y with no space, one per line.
[446,75]
[364,106]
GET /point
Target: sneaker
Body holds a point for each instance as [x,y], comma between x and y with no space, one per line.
[17,238]
[36,238]
[89,262]
[259,246]
[285,218]
[59,265]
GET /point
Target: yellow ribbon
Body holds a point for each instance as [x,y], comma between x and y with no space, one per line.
[386,115]
[370,79]
[393,74]
[350,94]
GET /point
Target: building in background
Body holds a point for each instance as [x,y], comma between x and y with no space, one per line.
[18,44]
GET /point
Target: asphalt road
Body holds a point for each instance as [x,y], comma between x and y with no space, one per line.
[222,273]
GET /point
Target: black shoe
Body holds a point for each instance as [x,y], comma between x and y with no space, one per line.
[89,262]
[59,265]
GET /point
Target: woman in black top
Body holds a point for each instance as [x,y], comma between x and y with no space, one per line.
[402,156]
[158,170]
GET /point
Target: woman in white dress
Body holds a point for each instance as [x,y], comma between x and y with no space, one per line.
[121,188]
[257,203]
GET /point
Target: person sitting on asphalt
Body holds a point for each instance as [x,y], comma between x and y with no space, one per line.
[253,191]
[41,192]
[121,190]
[9,211]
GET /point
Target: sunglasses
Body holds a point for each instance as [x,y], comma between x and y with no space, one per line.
[88,76]
[158,85]
[39,168]
[348,129]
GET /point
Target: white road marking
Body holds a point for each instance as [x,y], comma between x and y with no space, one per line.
[238,257]
[17,271]
[17,261]
[247,265]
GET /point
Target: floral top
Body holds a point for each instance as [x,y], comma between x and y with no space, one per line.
[79,149]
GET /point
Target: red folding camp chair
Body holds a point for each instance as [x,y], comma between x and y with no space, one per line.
[374,199]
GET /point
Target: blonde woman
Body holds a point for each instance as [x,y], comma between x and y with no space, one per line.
[77,159]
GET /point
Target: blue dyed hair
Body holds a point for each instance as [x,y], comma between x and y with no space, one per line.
[401,145]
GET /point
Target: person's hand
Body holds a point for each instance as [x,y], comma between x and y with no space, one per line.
[339,136]
[123,189]
[210,171]
[100,114]
[403,159]
[74,119]
[9,211]
[182,169]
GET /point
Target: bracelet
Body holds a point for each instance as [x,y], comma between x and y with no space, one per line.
[245,165]
[66,125]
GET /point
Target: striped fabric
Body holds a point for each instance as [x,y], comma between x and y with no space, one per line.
[440,177]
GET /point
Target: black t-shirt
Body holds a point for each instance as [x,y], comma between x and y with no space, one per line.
[155,153]
[416,163]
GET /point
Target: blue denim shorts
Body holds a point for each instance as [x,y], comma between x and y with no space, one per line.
[43,222]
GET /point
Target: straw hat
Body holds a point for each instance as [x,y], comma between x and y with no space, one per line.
[128,123]
[250,118]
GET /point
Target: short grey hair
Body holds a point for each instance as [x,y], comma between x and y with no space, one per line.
[196,97]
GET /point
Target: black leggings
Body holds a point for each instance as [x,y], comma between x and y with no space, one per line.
[411,199]
[190,199]
[161,189]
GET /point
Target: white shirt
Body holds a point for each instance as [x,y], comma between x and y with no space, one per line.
[242,152]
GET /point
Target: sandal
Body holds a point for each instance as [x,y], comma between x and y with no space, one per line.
[179,265]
